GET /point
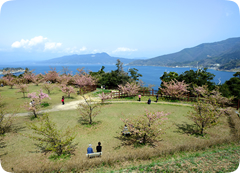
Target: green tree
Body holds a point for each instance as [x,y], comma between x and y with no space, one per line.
[167,77]
[50,139]
[199,77]
[231,87]
[134,74]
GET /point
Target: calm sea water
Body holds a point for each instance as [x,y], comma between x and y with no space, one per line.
[151,74]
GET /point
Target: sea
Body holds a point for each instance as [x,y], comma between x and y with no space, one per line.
[150,74]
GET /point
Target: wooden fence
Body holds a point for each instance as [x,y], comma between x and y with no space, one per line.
[187,97]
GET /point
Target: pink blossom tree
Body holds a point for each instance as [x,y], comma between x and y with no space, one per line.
[175,88]
[130,88]
[83,80]
[40,96]
[37,79]
[35,104]
[64,79]
[33,107]
[22,88]
[48,87]
[147,127]
[9,80]
[104,96]
[51,76]
[68,90]
[28,77]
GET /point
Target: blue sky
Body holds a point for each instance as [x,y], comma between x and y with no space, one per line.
[44,29]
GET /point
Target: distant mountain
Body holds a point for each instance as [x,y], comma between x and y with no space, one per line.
[98,58]
[204,54]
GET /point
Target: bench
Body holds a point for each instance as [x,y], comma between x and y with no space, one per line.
[98,154]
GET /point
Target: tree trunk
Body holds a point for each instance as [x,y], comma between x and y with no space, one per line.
[144,139]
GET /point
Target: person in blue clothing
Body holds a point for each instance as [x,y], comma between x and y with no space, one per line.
[89,149]
[149,101]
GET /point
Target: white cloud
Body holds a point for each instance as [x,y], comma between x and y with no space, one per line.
[52,45]
[124,49]
[75,50]
[37,43]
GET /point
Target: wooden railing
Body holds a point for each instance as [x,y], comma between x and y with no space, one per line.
[187,97]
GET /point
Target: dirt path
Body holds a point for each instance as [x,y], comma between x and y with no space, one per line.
[73,105]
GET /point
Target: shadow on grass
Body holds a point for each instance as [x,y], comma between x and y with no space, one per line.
[86,123]
[2,145]
[189,129]
[128,140]
[17,128]
[70,98]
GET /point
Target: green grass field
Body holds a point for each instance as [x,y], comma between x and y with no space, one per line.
[18,153]
[15,100]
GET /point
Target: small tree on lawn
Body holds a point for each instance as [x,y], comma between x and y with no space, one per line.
[104,96]
[51,76]
[88,109]
[175,88]
[48,87]
[35,107]
[22,88]
[5,121]
[147,127]
[130,88]
[68,90]
[37,79]
[207,109]
[50,139]
[9,80]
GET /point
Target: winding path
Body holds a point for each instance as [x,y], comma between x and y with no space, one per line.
[73,105]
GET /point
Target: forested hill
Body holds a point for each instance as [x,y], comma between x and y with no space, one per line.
[212,52]
[98,58]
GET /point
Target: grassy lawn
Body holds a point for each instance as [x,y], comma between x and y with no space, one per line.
[15,100]
[20,152]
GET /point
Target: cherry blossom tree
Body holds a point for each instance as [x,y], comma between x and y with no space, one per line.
[68,90]
[147,127]
[28,77]
[104,96]
[51,76]
[83,80]
[175,88]
[130,88]
[35,105]
[9,80]
[48,87]
[64,79]
[22,88]
[37,79]
[207,109]
[40,96]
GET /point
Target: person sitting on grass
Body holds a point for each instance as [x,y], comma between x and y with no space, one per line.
[89,149]
[99,147]
[149,101]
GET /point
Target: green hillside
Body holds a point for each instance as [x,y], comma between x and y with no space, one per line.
[207,54]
